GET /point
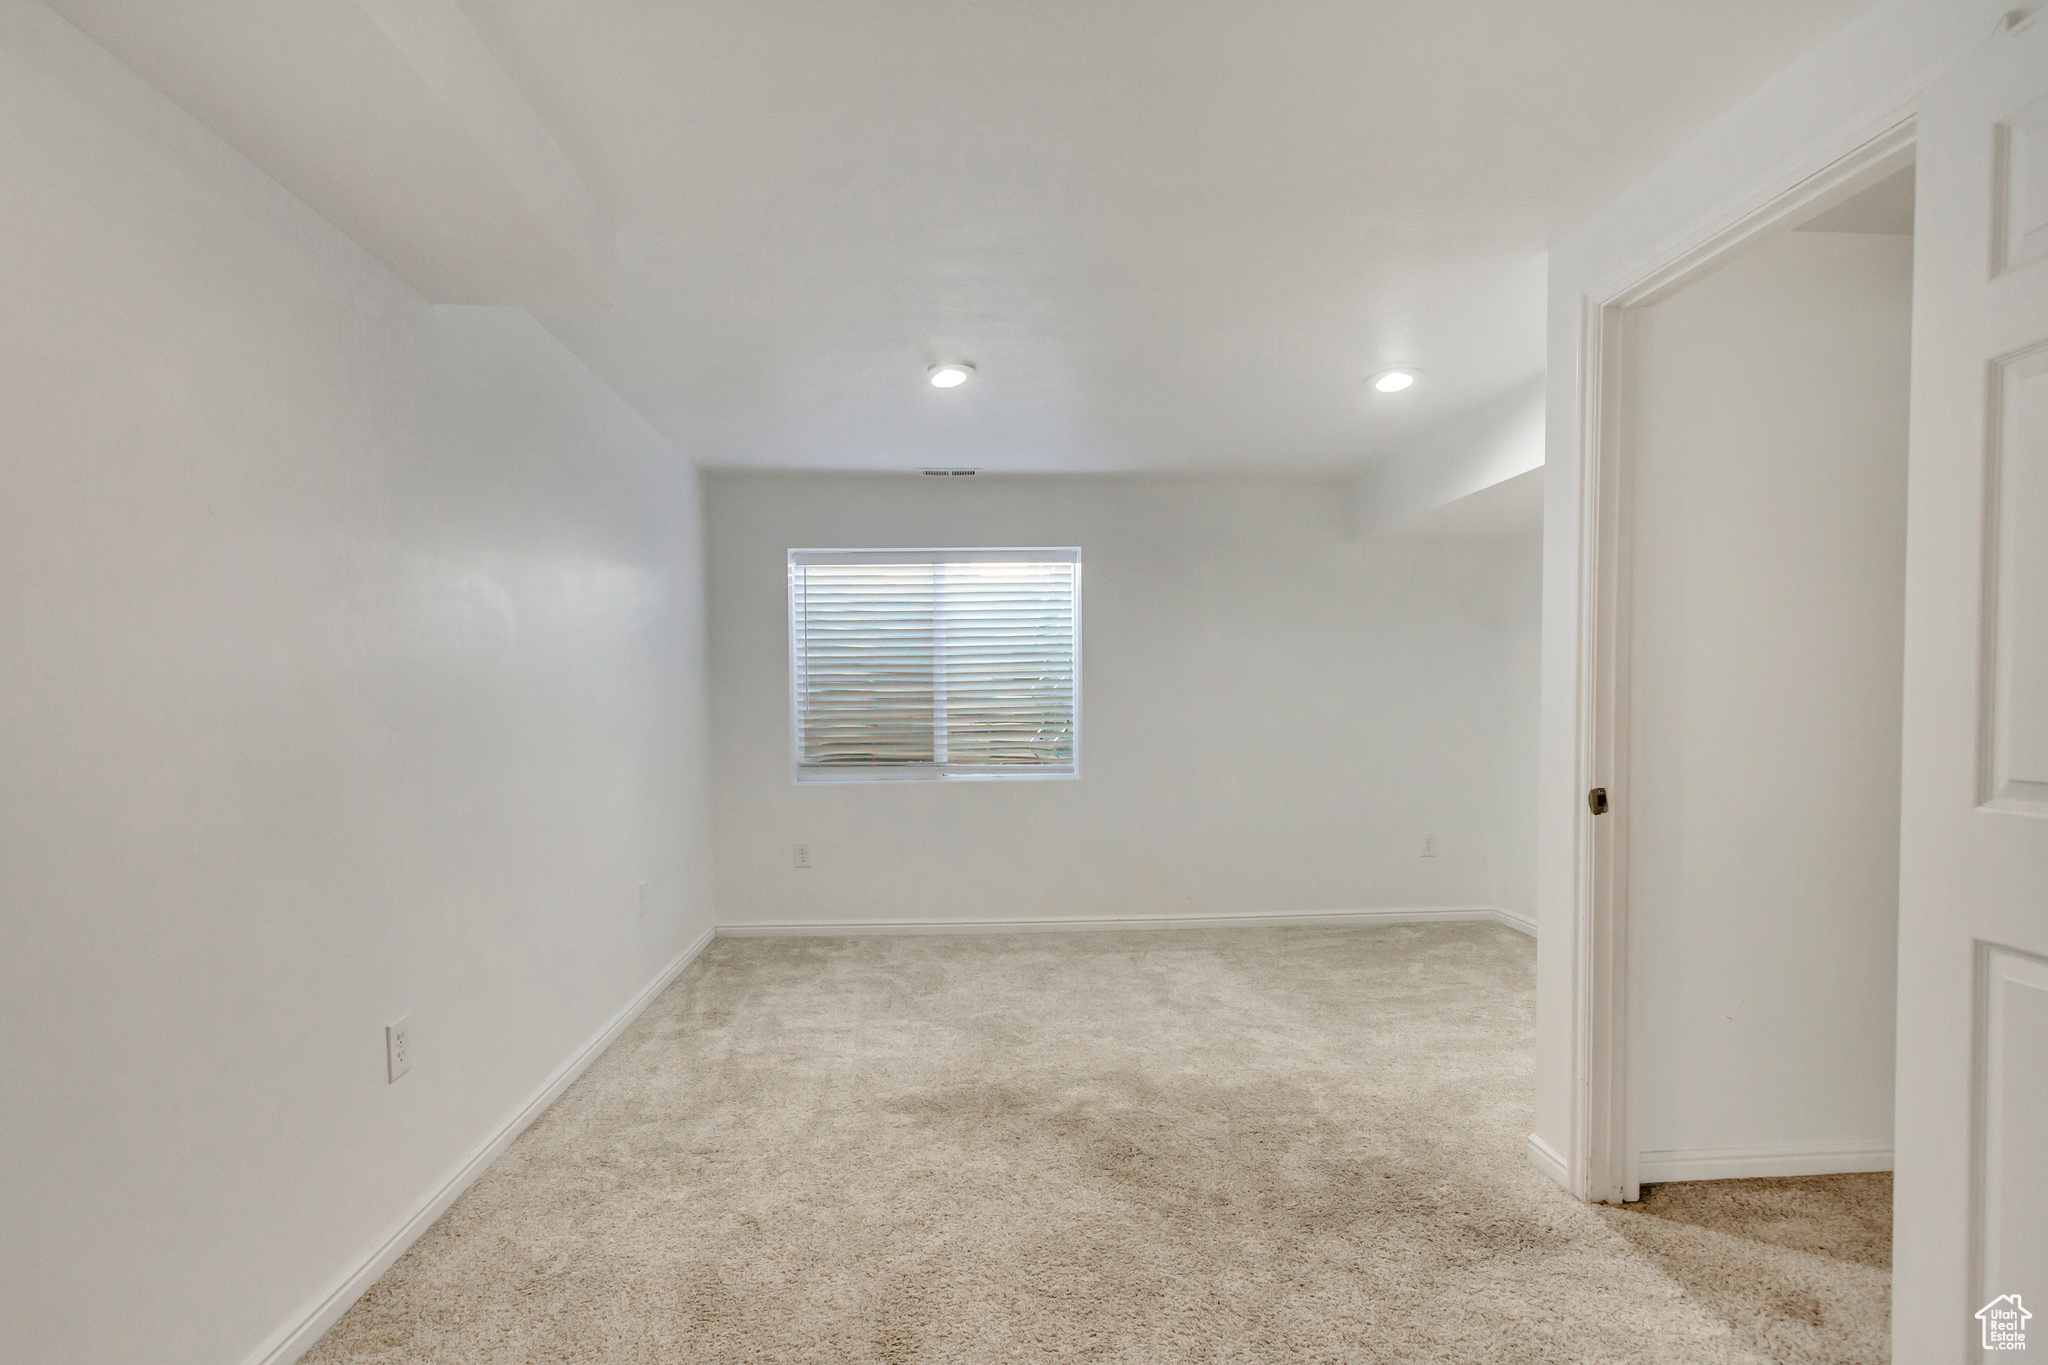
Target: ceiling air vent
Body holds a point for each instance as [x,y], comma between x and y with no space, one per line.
[945,473]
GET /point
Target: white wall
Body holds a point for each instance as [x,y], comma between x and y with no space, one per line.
[1767,440]
[1273,717]
[1519,621]
[1501,441]
[353,669]
[1845,92]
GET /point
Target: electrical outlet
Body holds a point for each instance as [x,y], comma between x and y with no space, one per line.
[398,1046]
[1429,845]
[643,900]
[803,855]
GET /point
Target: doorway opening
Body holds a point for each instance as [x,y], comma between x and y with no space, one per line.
[1738,987]
[1764,416]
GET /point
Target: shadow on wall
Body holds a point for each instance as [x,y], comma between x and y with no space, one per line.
[1112,878]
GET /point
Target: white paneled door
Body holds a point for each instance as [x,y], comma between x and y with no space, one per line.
[1972,1117]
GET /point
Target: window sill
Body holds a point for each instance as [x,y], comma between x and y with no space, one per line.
[825,778]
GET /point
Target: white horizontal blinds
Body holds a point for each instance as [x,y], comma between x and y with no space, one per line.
[864,683]
[935,661]
[1007,635]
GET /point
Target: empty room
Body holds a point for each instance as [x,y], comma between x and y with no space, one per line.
[748,682]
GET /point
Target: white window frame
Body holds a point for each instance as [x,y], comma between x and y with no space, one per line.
[929,772]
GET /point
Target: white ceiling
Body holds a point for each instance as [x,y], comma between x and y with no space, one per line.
[391,119]
[1170,235]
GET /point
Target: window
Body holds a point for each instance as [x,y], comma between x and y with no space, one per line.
[935,664]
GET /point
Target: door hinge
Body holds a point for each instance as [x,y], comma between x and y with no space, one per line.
[1596,800]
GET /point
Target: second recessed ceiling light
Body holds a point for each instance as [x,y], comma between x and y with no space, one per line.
[951,375]
[1393,381]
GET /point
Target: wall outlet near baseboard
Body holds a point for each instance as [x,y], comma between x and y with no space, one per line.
[803,855]
[398,1046]
[1429,845]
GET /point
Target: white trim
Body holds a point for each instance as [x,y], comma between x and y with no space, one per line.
[1779,1159]
[1608,1167]
[1508,919]
[1001,554]
[931,772]
[1275,920]
[293,1340]
[1545,1159]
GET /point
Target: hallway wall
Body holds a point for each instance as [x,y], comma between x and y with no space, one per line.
[1767,469]
[354,669]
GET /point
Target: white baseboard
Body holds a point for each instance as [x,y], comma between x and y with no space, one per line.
[1520,924]
[1747,1163]
[1276,920]
[1544,1158]
[294,1339]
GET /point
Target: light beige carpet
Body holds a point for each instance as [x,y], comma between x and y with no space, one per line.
[1283,1145]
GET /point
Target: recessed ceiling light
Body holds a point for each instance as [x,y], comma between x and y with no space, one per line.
[1393,381]
[951,375]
